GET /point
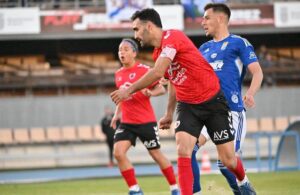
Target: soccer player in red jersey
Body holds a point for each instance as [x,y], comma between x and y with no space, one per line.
[137,119]
[196,89]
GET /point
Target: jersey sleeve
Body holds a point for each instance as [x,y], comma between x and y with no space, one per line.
[170,44]
[246,52]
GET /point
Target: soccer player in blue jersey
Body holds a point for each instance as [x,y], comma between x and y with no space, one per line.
[230,56]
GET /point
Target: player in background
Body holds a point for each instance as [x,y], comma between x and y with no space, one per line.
[137,120]
[230,56]
[194,85]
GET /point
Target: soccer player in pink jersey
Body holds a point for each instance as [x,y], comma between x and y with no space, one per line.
[137,120]
[196,89]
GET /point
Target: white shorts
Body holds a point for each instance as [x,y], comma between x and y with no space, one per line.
[240,127]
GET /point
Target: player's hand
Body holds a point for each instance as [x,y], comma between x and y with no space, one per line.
[163,81]
[119,95]
[249,101]
[147,92]
[165,122]
[113,122]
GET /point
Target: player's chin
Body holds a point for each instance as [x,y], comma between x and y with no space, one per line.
[207,34]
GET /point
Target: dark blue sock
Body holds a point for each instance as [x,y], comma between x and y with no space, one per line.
[196,171]
[230,177]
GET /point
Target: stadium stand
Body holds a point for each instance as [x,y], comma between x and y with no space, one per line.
[61,68]
[93,133]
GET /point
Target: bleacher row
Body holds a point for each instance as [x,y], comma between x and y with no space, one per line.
[50,135]
[37,65]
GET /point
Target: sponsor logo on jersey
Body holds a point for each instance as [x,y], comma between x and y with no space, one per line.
[219,136]
[252,55]
[174,66]
[214,55]
[207,50]
[150,143]
[234,98]
[224,45]
[217,65]
[132,75]
[119,79]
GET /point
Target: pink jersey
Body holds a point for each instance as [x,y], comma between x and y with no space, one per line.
[137,108]
[194,79]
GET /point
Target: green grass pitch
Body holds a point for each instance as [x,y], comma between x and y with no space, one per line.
[273,183]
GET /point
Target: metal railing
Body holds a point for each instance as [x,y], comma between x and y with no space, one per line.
[274,160]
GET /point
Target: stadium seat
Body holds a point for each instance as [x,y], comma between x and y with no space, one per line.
[21,135]
[98,134]
[14,61]
[69,133]
[165,133]
[53,134]
[37,134]
[6,136]
[266,124]
[85,133]
[296,53]
[252,125]
[281,123]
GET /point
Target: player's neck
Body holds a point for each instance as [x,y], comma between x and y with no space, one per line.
[129,65]
[157,38]
[221,35]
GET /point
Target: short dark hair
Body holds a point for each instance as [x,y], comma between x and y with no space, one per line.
[148,14]
[218,7]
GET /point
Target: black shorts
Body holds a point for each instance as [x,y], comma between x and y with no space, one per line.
[147,133]
[214,114]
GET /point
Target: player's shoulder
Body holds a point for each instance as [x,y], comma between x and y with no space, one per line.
[119,70]
[206,45]
[173,33]
[239,40]
[142,66]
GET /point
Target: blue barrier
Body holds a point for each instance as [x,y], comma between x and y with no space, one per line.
[270,135]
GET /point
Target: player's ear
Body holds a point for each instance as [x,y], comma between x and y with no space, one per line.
[149,26]
[222,18]
[134,54]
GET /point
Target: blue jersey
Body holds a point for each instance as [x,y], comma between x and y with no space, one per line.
[230,59]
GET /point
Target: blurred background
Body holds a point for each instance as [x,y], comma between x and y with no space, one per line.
[57,64]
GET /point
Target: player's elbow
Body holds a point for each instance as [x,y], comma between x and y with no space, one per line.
[157,74]
[162,90]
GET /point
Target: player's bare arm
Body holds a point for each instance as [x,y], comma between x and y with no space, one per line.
[157,90]
[257,77]
[150,77]
[116,116]
[166,121]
